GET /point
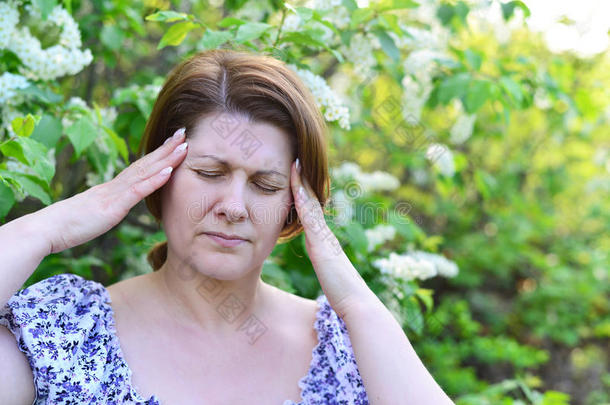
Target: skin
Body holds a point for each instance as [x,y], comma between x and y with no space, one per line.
[231,203]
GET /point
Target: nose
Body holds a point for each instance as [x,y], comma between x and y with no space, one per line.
[231,203]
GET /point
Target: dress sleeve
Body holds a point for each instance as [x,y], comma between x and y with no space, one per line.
[335,372]
[55,323]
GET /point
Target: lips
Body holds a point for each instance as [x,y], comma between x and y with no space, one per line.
[231,237]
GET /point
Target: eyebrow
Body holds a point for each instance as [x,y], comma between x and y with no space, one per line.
[226,163]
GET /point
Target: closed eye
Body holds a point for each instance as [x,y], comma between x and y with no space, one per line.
[264,189]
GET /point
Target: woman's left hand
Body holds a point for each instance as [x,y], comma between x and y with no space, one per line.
[339,279]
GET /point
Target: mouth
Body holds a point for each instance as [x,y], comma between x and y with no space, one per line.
[225,240]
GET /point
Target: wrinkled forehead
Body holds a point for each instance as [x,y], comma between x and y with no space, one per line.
[235,140]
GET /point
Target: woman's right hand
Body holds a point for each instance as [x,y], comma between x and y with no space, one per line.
[78,219]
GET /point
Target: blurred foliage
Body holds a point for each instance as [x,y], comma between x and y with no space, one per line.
[521,206]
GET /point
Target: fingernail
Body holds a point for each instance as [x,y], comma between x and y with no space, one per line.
[176,135]
[179,133]
[298,165]
[180,147]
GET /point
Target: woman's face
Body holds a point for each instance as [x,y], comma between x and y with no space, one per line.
[235,180]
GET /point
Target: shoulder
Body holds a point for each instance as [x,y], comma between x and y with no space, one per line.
[62,296]
[60,323]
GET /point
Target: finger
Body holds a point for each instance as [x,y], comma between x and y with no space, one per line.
[307,205]
[168,154]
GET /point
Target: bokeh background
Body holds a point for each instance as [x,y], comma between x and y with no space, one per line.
[469,145]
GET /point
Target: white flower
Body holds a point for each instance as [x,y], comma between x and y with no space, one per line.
[444,267]
[10,82]
[323,4]
[344,208]
[442,157]
[9,17]
[360,53]
[340,17]
[334,109]
[414,96]
[378,180]
[57,60]
[378,235]
[542,99]
[292,22]
[416,265]
[462,129]
[405,267]
[420,176]
[9,113]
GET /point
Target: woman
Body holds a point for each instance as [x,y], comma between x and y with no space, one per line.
[203,327]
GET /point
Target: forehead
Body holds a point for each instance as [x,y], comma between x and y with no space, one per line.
[239,142]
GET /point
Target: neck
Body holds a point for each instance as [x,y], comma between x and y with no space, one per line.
[205,304]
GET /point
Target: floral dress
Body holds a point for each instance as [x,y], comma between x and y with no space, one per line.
[65,326]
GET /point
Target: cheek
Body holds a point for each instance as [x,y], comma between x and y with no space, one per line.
[270,213]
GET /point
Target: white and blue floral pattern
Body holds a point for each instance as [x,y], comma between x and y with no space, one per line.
[65,326]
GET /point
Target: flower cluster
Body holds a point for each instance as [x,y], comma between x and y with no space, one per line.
[426,48]
[416,265]
[378,180]
[334,109]
[360,53]
[378,235]
[10,82]
[343,206]
[58,60]
[442,157]
[323,4]
[462,128]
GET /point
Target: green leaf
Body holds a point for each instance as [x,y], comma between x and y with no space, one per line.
[119,142]
[400,219]
[305,13]
[508,9]
[44,95]
[167,16]
[361,15]
[461,10]
[274,275]
[7,198]
[478,93]
[445,13]
[512,88]
[250,31]
[453,86]
[390,22]
[23,126]
[387,5]
[306,38]
[230,21]
[176,34]
[387,44]
[213,39]
[357,237]
[48,131]
[473,58]
[82,133]
[350,5]
[413,316]
[234,5]
[112,37]
[31,153]
[426,296]
[45,6]
[29,184]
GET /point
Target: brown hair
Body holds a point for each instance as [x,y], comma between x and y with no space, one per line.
[256,86]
